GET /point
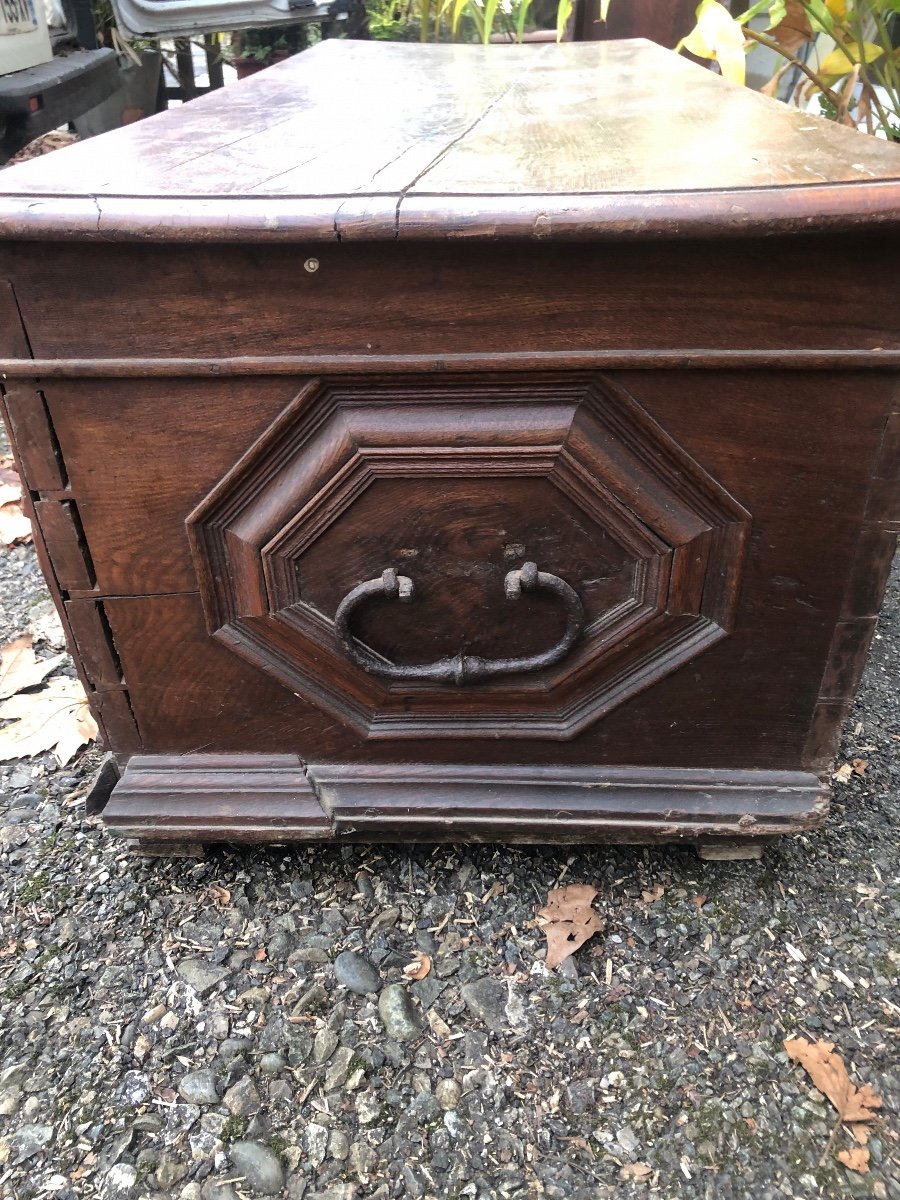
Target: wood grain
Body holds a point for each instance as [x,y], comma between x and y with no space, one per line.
[475,148]
[612,298]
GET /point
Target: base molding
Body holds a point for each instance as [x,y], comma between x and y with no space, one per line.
[278,798]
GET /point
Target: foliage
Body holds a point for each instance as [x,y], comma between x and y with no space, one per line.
[270,44]
[840,52]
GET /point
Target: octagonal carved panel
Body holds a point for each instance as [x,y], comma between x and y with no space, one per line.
[543,527]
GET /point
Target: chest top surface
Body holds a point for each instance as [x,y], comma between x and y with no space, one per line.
[378,141]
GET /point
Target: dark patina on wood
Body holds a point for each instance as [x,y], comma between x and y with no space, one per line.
[477,460]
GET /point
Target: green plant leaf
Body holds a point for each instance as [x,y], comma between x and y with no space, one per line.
[490,12]
[521,17]
[563,12]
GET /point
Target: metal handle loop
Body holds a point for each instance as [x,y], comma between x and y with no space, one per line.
[461,668]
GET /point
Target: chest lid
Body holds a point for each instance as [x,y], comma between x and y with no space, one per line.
[380,141]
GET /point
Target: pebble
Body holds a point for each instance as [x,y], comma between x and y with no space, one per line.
[324,1046]
[272,1064]
[356,973]
[262,1171]
[120,1182]
[447,1093]
[486,998]
[398,1015]
[30,1140]
[201,975]
[242,1099]
[199,1087]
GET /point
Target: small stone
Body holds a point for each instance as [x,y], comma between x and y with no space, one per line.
[398,1014]
[216,1189]
[232,1048]
[627,1140]
[338,1069]
[134,1089]
[29,1140]
[316,1143]
[324,1046]
[242,1100]
[313,998]
[368,1109]
[356,973]
[271,1064]
[338,1145]
[169,1171]
[255,997]
[447,1093]
[199,1087]
[486,999]
[201,975]
[120,1182]
[259,1166]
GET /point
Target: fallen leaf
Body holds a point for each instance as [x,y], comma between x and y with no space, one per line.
[827,1071]
[699,901]
[56,718]
[856,1159]
[568,921]
[860,766]
[219,895]
[21,669]
[418,968]
[843,773]
[861,1133]
[14,525]
[260,955]
[635,1171]
[654,894]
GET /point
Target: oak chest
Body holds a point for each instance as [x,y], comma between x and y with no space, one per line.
[445,442]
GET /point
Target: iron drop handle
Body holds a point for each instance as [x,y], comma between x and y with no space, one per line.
[461,668]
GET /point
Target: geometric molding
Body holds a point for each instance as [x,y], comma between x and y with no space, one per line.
[275,798]
[453,482]
[440,801]
[216,797]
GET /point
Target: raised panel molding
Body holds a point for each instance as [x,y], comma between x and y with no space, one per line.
[654,545]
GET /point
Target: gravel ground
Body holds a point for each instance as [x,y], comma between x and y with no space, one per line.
[242,1025]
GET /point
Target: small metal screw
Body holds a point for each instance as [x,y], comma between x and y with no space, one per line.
[311,265]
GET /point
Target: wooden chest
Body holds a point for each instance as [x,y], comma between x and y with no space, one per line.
[437,442]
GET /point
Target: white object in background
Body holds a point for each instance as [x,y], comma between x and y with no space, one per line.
[24,40]
[183,18]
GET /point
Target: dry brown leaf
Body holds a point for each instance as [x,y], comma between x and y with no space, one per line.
[827,1071]
[856,1159]
[56,718]
[795,30]
[219,895]
[861,1133]
[860,766]
[653,894]
[843,773]
[20,669]
[635,1171]
[418,968]
[568,921]
[699,901]
[260,955]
